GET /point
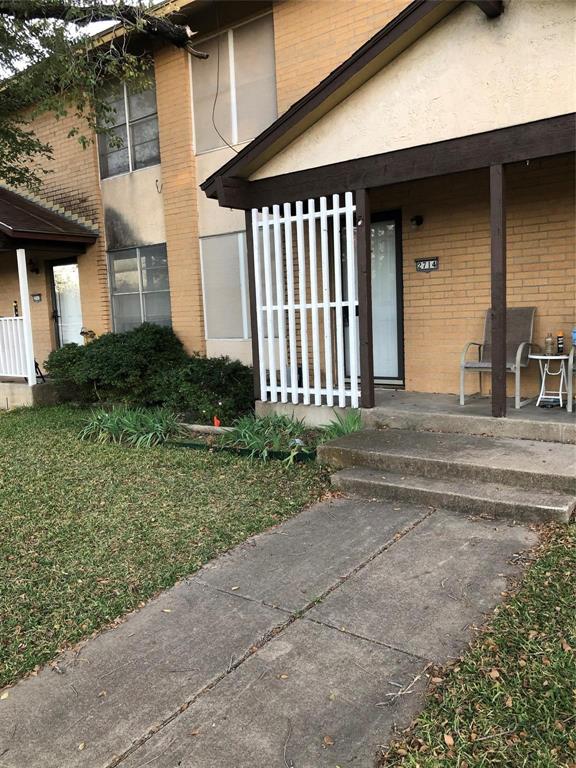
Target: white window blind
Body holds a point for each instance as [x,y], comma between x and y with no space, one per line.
[234,90]
[224,280]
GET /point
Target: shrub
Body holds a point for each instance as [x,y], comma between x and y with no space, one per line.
[135,426]
[148,366]
[205,387]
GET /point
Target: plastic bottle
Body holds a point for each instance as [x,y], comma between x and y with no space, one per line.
[549,344]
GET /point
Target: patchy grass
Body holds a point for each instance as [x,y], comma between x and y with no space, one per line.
[89,531]
[511,701]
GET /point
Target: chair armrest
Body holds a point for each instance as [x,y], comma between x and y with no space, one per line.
[571,360]
[467,347]
[521,349]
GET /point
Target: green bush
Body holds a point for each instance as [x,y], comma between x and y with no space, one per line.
[148,366]
[137,427]
[205,387]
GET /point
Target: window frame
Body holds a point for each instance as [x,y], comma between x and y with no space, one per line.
[140,292]
[128,144]
[229,33]
[244,295]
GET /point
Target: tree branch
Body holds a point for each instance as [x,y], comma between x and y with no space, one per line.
[28,10]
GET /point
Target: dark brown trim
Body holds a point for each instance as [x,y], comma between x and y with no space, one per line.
[498,288]
[492,8]
[364,256]
[22,234]
[416,19]
[253,312]
[541,138]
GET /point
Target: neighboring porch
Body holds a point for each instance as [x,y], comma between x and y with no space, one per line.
[39,293]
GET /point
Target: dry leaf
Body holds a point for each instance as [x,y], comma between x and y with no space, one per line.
[283,676]
[448,740]
[327,741]
[4,695]
[494,674]
[509,701]
[565,645]
[195,732]
[81,746]
[235,588]
[166,610]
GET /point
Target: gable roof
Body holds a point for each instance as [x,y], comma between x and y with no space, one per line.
[410,24]
[22,218]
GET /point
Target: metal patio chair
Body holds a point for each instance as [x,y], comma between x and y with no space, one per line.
[519,329]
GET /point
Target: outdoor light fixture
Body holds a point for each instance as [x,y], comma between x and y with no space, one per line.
[416,221]
[37,298]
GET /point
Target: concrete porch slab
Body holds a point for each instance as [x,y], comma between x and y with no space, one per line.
[314,697]
[425,411]
[426,591]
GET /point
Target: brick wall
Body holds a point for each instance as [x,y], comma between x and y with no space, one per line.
[74,184]
[313,37]
[445,309]
[180,190]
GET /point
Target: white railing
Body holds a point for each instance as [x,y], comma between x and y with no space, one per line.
[304,343]
[13,361]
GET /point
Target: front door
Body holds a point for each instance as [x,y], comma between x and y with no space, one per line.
[387,327]
[67,309]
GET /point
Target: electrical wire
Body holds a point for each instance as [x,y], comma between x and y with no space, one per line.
[218,82]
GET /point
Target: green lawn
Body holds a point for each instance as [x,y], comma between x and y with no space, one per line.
[87,532]
[511,701]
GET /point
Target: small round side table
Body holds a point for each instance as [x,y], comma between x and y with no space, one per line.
[551,397]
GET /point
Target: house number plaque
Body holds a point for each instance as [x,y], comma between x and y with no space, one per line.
[427,265]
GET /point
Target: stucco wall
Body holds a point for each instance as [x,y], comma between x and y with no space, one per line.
[467,75]
[133,208]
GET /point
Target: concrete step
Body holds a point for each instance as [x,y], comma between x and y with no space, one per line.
[475,497]
[538,425]
[527,464]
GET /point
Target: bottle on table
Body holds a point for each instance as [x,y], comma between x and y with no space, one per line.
[560,342]
[549,344]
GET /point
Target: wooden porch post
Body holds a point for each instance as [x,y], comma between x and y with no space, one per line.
[498,288]
[26,319]
[364,251]
[253,310]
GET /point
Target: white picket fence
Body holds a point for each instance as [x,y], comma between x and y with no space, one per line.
[13,361]
[302,334]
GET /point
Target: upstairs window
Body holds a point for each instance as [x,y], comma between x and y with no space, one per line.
[235,88]
[136,125]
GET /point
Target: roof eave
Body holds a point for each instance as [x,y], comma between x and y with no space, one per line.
[410,24]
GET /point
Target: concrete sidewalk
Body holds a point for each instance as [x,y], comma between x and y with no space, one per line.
[293,650]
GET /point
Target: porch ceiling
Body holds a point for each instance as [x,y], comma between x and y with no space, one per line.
[23,219]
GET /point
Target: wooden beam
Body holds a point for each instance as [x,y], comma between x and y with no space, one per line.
[252,295]
[492,8]
[541,138]
[498,288]
[364,255]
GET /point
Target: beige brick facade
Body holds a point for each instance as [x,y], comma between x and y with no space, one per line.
[180,191]
[313,38]
[445,309]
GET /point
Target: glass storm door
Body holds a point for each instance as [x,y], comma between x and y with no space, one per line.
[67,311]
[386,306]
[385,301]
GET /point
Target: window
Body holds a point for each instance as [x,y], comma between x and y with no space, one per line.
[139,287]
[135,130]
[225,286]
[235,88]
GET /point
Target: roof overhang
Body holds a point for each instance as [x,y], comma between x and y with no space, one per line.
[409,25]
